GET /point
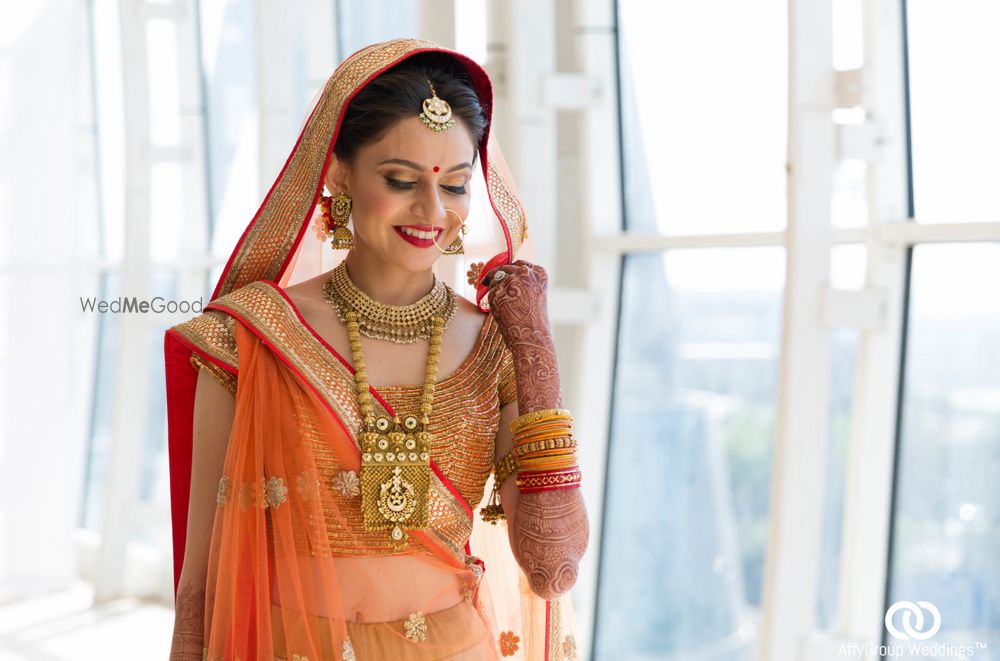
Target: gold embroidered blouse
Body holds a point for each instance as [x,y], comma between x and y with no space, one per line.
[465,418]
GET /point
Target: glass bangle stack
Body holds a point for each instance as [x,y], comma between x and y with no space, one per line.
[545,451]
[544,458]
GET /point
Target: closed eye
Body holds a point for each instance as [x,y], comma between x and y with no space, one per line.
[399,184]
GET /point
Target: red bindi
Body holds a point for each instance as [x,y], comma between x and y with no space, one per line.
[436,168]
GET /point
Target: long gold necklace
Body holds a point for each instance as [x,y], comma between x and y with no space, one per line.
[395,452]
[401,324]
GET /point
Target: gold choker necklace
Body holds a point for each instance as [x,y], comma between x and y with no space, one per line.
[401,324]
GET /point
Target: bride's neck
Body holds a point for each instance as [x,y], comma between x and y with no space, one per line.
[386,283]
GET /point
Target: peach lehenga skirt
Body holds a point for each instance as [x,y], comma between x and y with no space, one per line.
[458,629]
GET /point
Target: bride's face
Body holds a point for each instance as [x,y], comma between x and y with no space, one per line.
[402,187]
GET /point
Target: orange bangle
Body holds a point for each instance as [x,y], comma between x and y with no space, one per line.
[535,433]
[543,425]
[548,466]
[534,417]
[534,462]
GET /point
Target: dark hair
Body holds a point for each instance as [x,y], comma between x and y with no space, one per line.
[399,93]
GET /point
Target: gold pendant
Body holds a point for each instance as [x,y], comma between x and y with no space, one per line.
[395,477]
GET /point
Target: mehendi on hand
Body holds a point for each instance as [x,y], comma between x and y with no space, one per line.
[550,536]
[189,624]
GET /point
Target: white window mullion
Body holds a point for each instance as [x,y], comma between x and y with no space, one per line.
[600,221]
[194,239]
[131,381]
[800,450]
[867,501]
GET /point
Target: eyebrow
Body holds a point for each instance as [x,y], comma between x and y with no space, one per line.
[420,168]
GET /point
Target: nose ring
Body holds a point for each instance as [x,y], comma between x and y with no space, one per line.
[461,230]
[461,223]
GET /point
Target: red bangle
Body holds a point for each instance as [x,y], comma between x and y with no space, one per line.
[554,480]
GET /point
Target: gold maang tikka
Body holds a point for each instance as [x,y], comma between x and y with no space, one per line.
[437,112]
[437,116]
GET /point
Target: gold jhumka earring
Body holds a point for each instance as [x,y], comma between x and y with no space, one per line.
[335,214]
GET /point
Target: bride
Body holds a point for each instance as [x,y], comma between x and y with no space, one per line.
[330,440]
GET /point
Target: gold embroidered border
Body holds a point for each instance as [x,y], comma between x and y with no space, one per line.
[269,313]
[508,205]
[555,629]
[227,379]
[211,333]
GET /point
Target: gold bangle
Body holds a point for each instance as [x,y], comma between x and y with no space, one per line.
[545,455]
[564,438]
[562,442]
[522,421]
[505,468]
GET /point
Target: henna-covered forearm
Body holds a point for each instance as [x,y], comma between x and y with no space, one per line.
[536,371]
[550,536]
[519,302]
[550,531]
[189,623]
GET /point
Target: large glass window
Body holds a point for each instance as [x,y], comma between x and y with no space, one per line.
[693,414]
[362,23]
[704,148]
[228,50]
[946,527]
[955,101]
[686,522]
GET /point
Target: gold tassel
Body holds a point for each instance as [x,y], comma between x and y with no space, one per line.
[493,512]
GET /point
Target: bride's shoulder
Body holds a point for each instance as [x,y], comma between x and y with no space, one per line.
[469,315]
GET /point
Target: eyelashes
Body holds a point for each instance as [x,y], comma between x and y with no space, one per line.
[400,185]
